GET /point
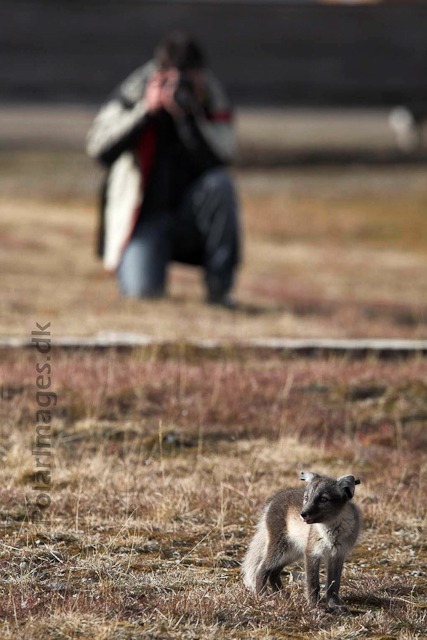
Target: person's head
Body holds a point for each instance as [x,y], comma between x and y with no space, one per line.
[180,51]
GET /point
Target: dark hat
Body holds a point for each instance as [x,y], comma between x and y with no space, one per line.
[179,50]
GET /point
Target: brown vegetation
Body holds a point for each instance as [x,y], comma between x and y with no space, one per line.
[161,468]
[162,463]
[328,253]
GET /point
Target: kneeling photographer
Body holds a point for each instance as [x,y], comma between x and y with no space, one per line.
[166,136]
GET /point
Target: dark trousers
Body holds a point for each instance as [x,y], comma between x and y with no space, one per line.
[204,231]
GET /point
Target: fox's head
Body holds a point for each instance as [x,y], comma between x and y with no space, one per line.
[325,497]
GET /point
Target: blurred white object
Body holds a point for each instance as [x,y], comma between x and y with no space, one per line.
[406,127]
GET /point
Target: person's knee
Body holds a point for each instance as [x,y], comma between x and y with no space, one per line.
[142,271]
[218,182]
[142,275]
[140,279]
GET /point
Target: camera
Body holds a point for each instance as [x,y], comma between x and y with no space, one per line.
[184,93]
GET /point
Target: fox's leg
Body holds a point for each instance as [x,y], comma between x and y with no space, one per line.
[312,566]
[278,555]
[275,581]
[261,578]
[333,572]
[267,574]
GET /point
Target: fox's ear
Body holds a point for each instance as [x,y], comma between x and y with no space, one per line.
[346,485]
[308,476]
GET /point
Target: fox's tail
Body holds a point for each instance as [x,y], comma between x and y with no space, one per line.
[255,555]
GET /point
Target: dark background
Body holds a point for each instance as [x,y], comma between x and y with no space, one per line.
[268,53]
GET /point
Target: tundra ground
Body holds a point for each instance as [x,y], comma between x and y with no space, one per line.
[327,253]
[162,465]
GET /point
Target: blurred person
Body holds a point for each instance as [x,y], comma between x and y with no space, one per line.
[166,135]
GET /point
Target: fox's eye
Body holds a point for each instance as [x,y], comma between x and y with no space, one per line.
[305,499]
[323,499]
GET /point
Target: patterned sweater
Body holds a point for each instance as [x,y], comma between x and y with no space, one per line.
[119,138]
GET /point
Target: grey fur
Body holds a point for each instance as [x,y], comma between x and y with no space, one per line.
[319,522]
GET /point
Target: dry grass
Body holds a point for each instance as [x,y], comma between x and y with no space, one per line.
[161,468]
[338,253]
[162,463]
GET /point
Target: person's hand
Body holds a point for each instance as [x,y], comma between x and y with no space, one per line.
[153,93]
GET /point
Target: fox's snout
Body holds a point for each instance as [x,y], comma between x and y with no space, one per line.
[313,512]
[306,514]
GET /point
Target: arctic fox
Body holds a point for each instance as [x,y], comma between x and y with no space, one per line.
[319,522]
